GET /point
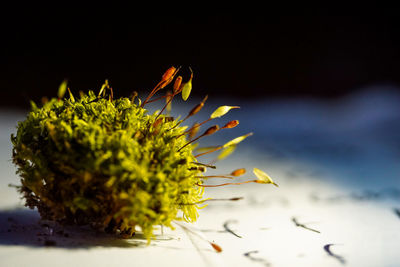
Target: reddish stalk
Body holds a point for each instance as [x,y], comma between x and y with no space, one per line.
[213,199]
[169,101]
[215,246]
[156,99]
[218,185]
[195,126]
[215,176]
[209,131]
[194,140]
[207,152]
[151,94]
[198,125]
[192,112]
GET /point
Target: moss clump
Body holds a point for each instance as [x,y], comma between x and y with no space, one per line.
[106,163]
[110,164]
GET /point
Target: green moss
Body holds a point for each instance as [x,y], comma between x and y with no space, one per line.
[106,163]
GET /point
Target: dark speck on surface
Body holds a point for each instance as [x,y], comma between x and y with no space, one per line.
[397,212]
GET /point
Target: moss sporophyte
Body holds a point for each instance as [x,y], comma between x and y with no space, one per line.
[105,162]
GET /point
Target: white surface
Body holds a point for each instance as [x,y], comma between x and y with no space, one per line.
[337,165]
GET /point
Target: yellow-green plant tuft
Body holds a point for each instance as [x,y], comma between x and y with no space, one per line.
[108,163]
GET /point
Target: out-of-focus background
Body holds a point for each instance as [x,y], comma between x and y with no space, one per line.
[253,52]
[319,87]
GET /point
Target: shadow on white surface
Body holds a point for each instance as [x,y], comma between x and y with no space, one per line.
[23,227]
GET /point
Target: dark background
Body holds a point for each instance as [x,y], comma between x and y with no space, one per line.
[262,52]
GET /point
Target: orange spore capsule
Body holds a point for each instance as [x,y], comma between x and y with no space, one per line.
[231,124]
[196,109]
[177,84]
[168,74]
[238,172]
[211,130]
[216,247]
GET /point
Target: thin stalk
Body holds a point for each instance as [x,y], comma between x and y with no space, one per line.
[169,101]
[218,185]
[151,94]
[216,247]
[215,176]
[207,152]
[194,140]
[199,124]
[156,99]
[212,199]
[209,131]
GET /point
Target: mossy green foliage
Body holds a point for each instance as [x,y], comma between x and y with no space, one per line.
[93,160]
